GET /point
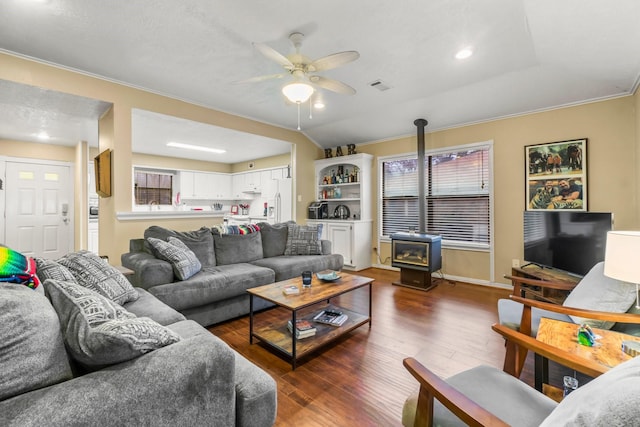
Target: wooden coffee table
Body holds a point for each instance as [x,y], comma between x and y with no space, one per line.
[274,333]
[563,335]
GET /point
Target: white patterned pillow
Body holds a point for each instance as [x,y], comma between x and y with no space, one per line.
[303,240]
[50,269]
[184,262]
[95,273]
[99,332]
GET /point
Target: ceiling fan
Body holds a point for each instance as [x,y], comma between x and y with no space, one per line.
[303,70]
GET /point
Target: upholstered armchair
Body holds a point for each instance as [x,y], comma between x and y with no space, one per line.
[486,396]
[597,300]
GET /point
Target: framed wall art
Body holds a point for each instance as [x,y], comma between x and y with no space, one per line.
[556,175]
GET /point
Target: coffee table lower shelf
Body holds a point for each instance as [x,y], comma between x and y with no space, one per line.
[280,339]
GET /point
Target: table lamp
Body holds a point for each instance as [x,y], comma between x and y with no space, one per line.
[621,258]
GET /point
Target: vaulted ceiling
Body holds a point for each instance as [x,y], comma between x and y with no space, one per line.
[528,55]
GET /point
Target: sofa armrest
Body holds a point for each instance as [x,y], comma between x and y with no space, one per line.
[188,383]
[148,271]
[325,247]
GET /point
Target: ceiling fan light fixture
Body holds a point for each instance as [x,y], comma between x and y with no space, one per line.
[298,92]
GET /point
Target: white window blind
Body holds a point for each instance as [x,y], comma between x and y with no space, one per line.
[457,204]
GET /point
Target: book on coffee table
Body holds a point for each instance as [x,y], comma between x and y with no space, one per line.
[304,328]
[331,317]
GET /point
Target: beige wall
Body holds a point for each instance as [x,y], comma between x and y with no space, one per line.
[610,126]
[115,133]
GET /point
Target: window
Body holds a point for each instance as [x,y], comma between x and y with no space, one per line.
[152,187]
[457,195]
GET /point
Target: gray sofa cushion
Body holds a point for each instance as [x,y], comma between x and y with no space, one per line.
[599,292]
[183,261]
[149,306]
[303,240]
[274,238]
[98,331]
[213,284]
[286,267]
[32,353]
[514,402]
[199,241]
[96,274]
[237,248]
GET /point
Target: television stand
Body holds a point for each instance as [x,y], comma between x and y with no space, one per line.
[533,271]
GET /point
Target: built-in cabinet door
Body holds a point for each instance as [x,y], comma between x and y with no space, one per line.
[222,186]
[340,236]
[187,190]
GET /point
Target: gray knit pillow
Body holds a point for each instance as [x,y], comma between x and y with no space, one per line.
[50,269]
[95,273]
[303,240]
[184,262]
[99,332]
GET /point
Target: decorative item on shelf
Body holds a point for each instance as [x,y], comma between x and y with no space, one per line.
[245,208]
[351,149]
[327,153]
[331,317]
[339,151]
[337,193]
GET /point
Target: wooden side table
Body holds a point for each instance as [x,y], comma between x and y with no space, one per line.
[563,335]
[548,274]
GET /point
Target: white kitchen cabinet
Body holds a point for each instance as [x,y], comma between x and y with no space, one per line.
[351,239]
[205,185]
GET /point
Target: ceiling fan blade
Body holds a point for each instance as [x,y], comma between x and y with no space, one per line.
[332,85]
[261,78]
[273,55]
[333,61]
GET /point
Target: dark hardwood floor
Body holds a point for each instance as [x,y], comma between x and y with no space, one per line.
[359,380]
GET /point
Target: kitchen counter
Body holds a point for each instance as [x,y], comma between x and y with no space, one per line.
[168,214]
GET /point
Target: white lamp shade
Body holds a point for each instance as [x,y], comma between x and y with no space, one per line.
[298,92]
[622,256]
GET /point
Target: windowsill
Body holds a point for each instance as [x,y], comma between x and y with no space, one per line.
[450,245]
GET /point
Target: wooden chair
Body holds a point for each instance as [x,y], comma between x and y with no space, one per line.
[486,396]
[594,290]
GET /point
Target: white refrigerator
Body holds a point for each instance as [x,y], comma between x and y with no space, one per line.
[279,200]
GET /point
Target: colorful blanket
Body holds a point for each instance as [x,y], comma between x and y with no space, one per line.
[17,268]
[236,229]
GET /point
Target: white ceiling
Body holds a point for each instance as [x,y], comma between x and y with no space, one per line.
[529,55]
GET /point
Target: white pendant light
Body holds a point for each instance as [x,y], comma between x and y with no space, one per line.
[298,92]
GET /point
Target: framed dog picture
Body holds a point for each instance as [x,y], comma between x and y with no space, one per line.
[556,175]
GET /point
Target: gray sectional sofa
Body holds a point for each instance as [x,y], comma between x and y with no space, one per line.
[95,351]
[229,265]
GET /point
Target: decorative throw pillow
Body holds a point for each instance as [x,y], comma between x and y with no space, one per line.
[95,273]
[599,292]
[99,332]
[302,240]
[50,269]
[184,262]
[32,353]
[199,241]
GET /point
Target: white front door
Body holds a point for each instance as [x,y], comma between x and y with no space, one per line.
[39,208]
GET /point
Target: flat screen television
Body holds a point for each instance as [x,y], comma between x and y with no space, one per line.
[569,241]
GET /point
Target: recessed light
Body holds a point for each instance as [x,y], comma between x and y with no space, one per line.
[43,136]
[464,53]
[319,105]
[195,147]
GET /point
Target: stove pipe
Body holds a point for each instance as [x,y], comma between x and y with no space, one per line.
[421,124]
